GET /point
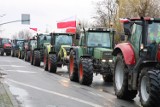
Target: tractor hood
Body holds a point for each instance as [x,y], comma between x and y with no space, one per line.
[66,48]
[102,53]
[7,45]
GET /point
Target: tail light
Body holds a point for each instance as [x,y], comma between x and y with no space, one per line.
[158,53]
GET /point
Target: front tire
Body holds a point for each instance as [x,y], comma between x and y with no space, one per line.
[73,67]
[45,60]
[52,63]
[149,88]
[85,71]
[37,58]
[120,80]
[2,52]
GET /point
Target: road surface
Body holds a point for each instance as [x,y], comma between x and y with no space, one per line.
[34,87]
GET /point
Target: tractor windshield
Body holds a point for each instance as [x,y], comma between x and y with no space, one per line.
[100,39]
[63,40]
[153,33]
[5,41]
[20,43]
[33,42]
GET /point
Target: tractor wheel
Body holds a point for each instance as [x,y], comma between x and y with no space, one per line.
[37,58]
[45,60]
[19,54]
[12,53]
[8,54]
[108,78]
[73,68]
[2,52]
[25,56]
[31,57]
[52,63]
[28,56]
[22,55]
[149,88]
[86,71]
[120,80]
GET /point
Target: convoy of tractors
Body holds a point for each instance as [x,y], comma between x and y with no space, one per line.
[133,66]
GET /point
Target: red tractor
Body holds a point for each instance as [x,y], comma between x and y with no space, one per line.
[137,62]
[5,46]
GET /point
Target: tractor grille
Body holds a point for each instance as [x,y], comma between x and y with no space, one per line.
[107,55]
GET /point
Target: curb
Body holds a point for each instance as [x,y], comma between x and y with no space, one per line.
[12,99]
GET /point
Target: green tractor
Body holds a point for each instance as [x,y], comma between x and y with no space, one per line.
[137,65]
[93,55]
[18,48]
[37,54]
[57,53]
[30,45]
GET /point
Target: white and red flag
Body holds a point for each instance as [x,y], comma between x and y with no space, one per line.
[69,22]
[35,29]
[71,30]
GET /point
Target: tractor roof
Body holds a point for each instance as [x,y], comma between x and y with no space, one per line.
[126,20]
[98,29]
[70,34]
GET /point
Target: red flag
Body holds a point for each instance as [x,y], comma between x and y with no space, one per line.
[71,30]
[35,29]
[66,24]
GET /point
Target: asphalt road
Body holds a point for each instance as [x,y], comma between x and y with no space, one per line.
[34,87]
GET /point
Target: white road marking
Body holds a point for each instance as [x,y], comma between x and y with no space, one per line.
[56,93]
[11,66]
[21,71]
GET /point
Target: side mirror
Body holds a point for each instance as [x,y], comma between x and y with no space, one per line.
[122,37]
[127,28]
[77,36]
[45,38]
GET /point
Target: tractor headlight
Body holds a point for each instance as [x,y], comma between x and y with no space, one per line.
[145,50]
[142,46]
[110,60]
[103,60]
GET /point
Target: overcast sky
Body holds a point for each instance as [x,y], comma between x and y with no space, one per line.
[44,13]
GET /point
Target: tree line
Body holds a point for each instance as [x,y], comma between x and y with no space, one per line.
[110,11]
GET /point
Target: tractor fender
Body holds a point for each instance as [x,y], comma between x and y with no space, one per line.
[128,53]
[79,53]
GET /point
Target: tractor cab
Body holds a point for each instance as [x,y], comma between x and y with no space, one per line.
[99,42]
[144,35]
[62,40]
[42,40]
[18,43]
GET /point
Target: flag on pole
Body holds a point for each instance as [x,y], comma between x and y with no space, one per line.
[71,30]
[35,29]
[70,22]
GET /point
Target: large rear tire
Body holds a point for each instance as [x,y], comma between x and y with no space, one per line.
[86,71]
[73,67]
[37,58]
[149,88]
[52,63]
[12,53]
[8,54]
[2,52]
[120,80]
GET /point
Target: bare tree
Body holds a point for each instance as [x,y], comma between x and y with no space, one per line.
[24,34]
[106,12]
